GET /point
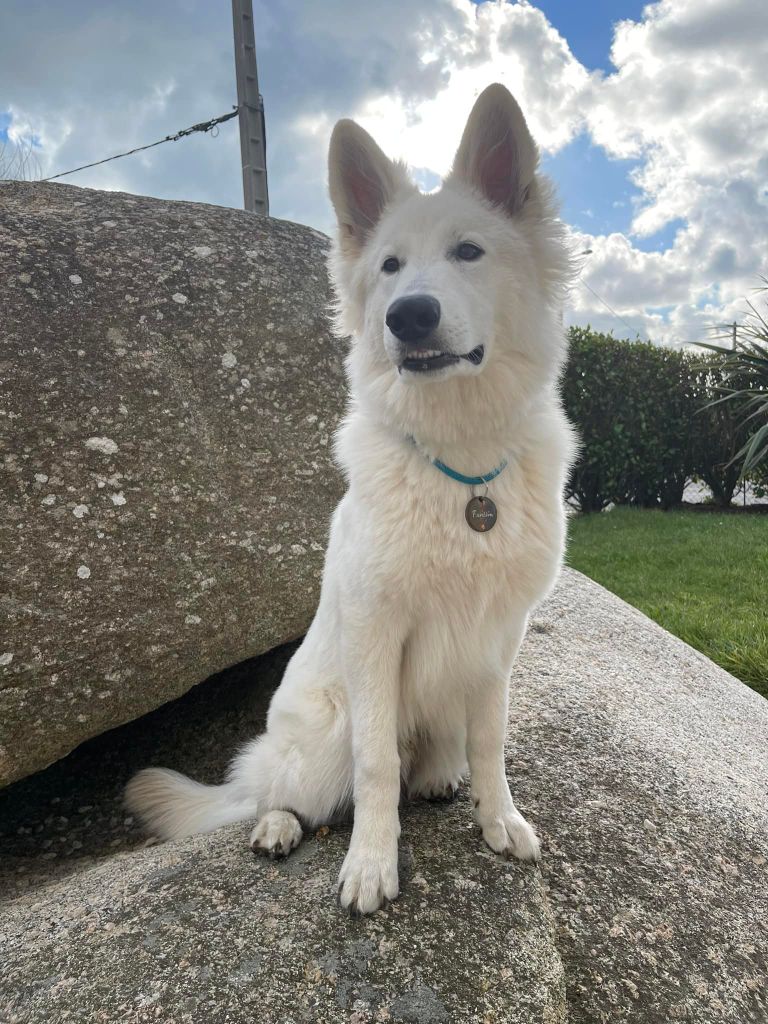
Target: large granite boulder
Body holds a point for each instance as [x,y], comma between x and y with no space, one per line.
[641,763]
[168,390]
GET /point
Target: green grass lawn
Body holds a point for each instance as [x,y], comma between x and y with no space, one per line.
[701,575]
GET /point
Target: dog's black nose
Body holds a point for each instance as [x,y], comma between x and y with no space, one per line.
[412,318]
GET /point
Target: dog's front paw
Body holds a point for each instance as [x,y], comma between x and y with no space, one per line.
[509,834]
[368,878]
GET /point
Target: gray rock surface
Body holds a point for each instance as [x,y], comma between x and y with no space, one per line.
[168,389]
[641,763]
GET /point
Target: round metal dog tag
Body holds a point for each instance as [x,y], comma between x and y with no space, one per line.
[480,513]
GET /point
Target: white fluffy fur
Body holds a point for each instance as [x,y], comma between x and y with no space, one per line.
[403,675]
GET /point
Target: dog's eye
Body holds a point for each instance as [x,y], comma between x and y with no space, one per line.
[391,265]
[468,251]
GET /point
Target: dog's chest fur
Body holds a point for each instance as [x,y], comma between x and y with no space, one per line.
[402,530]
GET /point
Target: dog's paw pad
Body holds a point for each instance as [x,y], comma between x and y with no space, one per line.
[276,834]
[441,794]
[437,790]
[450,792]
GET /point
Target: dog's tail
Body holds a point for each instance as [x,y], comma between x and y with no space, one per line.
[173,806]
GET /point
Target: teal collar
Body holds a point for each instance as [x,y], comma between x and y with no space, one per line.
[471,481]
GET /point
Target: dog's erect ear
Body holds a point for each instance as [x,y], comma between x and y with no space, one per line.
[497,155]
[361,181]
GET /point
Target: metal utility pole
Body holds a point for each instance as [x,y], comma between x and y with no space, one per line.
[253,143]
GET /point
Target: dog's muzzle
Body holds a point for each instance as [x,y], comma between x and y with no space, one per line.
[412,319]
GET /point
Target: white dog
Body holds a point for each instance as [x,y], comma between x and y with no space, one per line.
[452,301]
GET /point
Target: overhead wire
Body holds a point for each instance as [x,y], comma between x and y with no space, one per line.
[207,126]
[610,308]
[203,126]
[621,319]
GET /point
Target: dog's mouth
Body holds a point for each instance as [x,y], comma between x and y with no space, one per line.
[428,360]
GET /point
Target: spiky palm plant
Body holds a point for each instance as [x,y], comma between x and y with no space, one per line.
[743,372]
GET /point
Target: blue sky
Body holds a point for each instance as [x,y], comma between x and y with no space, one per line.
[596,192]
[588,26]
[651,119]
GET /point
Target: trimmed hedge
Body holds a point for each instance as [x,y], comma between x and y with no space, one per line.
[645,431]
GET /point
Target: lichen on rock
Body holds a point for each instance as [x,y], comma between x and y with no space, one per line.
[156,435]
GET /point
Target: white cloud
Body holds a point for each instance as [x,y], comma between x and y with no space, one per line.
[688,99]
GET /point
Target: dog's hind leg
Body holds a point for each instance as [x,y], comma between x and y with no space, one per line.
[289,773]
[301,769]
